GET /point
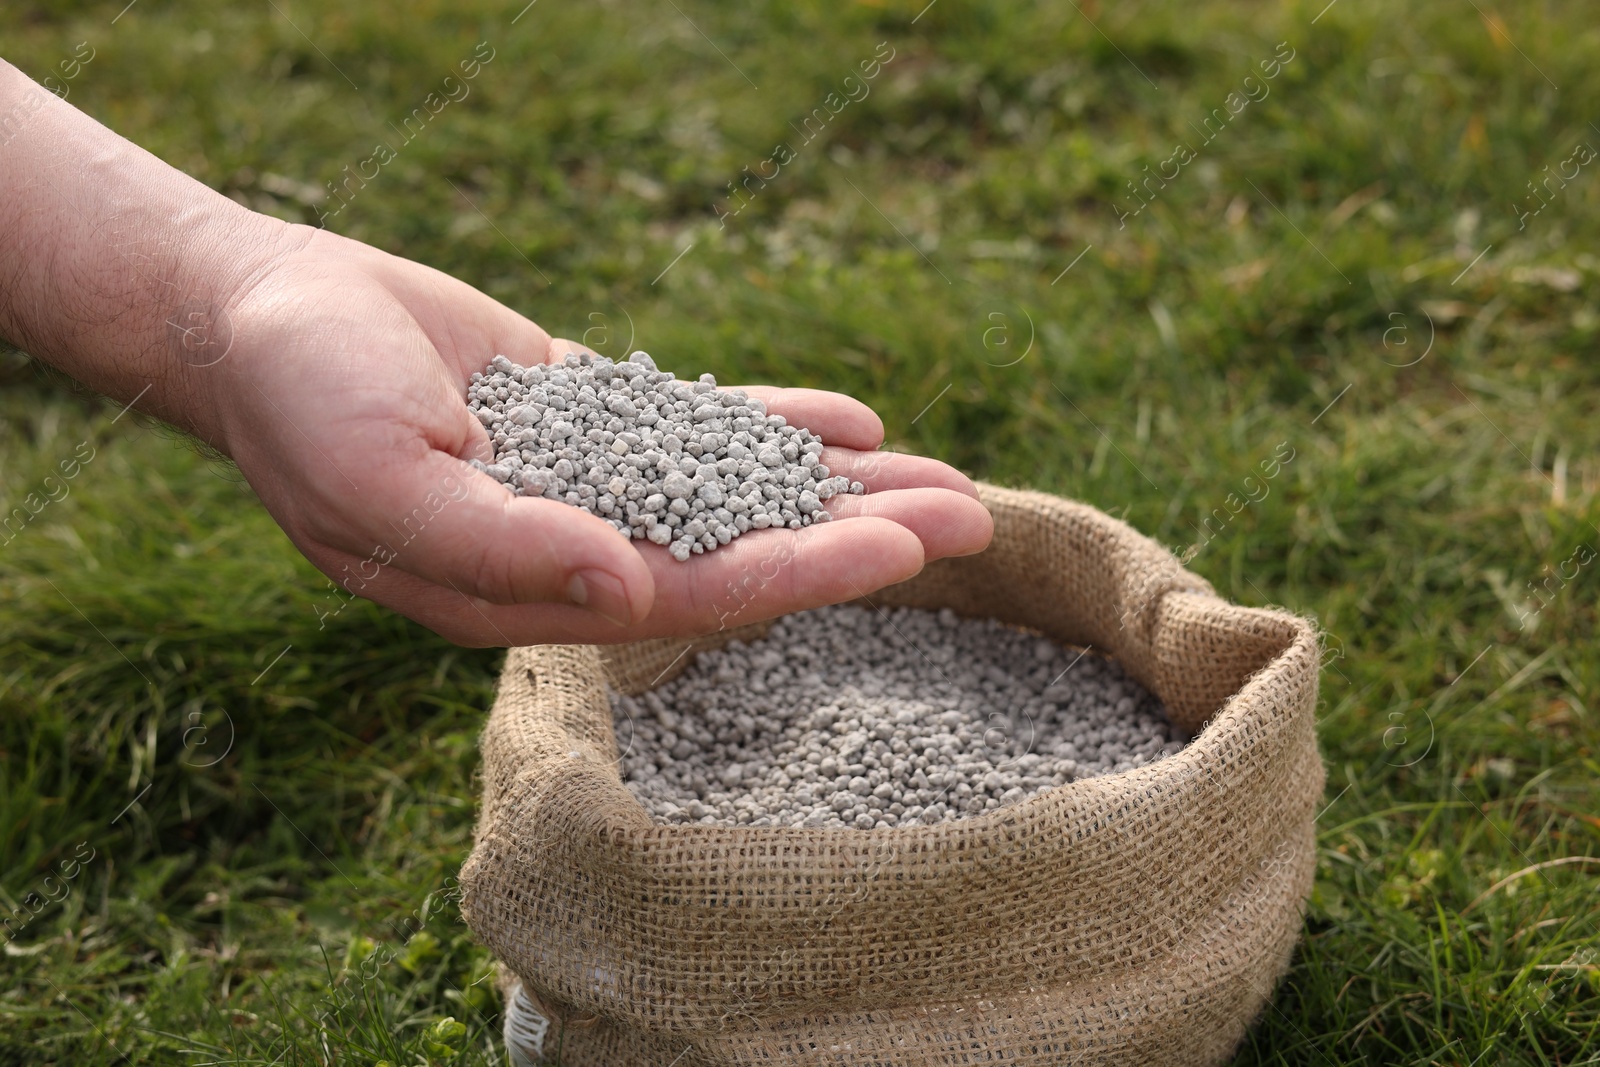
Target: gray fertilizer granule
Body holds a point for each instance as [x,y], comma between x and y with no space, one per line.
[683,464]
[850,717]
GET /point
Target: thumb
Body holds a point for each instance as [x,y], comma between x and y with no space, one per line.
[448,523]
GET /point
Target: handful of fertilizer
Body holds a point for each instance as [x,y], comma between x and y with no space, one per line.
[683,464]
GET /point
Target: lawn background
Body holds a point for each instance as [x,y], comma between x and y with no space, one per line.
[262,813]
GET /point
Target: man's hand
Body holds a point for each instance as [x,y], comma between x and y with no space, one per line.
[342,399]
[335,376]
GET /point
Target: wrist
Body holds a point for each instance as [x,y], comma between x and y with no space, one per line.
[115,267]
[200,352]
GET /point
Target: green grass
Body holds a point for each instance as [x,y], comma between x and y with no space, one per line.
[291,901]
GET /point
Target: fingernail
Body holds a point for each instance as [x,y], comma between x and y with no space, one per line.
[602,594]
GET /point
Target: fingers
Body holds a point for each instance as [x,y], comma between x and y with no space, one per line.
[486,577]
[853,433]
[947,523]
[881,470]
[771,572]
[875,541]
[457,528]
[834,417]
[759,576]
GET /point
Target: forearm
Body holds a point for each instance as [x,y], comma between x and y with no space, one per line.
[115,267]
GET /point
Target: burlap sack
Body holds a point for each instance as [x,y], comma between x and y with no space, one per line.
[1137,918]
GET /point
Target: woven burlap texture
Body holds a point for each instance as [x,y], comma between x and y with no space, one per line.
[1138,918]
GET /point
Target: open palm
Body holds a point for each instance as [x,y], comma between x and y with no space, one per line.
[342,401]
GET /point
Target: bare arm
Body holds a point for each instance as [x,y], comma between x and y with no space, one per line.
[334,375]
[118,268]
